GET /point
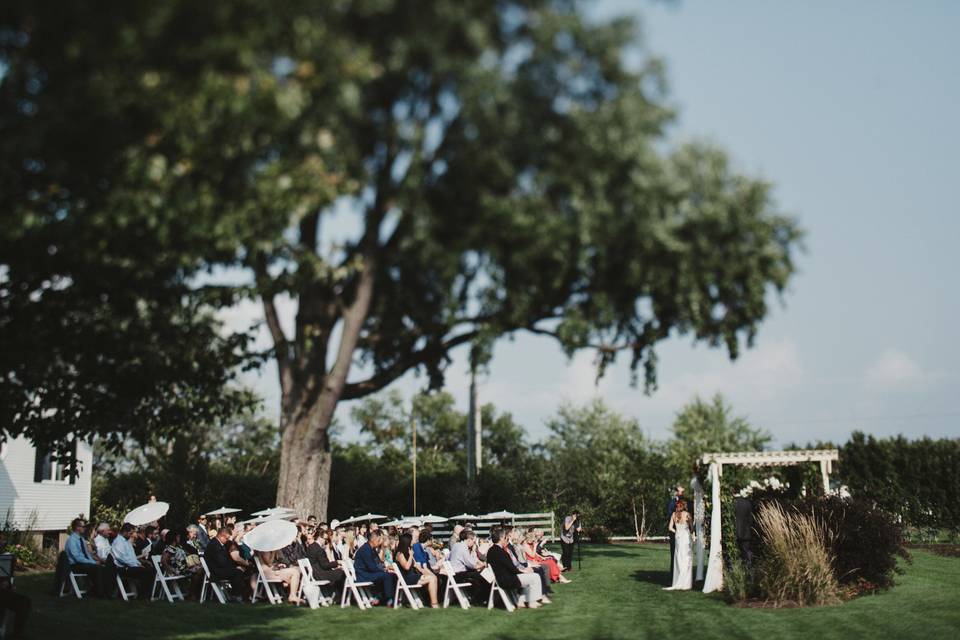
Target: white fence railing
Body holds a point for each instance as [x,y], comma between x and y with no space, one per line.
[483,524]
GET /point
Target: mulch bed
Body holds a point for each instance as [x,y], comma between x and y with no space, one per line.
[949,550]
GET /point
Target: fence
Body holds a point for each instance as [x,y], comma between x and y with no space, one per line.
[482,524]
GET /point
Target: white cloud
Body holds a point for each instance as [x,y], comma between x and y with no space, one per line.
[893,370]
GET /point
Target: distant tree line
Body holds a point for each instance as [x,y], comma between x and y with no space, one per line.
[592,459]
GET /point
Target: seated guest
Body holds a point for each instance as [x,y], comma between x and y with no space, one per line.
[192,542]
[233,549]
[466,567]
[530,551]
[424,554]
[273,568]
[348,545]
[369,567]
[127,563]
[222,566]
[175,562]
[428,559]
[102,541]
[293,552]
[245,551]
[520,560]
[203,538]
[323,560]
[408,569]
[541,545]
[387,548]
[82,561]
[455,536]
[148,546]
[508,575]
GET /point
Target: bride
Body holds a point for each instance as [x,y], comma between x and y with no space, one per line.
[680,524]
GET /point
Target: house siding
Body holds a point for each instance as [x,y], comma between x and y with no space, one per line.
[46,505]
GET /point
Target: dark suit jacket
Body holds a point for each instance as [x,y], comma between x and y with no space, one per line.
[503,567]
[218,559]
[318,558]
[367,563]
[743,518]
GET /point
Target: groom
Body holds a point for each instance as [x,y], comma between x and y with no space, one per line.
[671,507]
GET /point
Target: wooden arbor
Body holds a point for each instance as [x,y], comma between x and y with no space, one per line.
[826,457]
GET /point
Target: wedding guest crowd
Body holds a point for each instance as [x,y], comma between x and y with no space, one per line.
[515,558]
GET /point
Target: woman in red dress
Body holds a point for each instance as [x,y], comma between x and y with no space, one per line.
[529,549]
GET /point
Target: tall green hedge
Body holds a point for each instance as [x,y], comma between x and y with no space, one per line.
[918,480]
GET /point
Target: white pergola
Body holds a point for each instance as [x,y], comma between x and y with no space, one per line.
[826,458]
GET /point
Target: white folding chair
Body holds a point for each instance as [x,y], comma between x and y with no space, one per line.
[307,579]
[411,591]
[262,583]
[73,579]
[123,584]
[359,591]
[508,599]
[215,585]
[164,582]
[455,587]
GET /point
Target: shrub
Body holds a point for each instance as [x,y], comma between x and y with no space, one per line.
[865,540]
[739,582]
[797,565]
[598,534]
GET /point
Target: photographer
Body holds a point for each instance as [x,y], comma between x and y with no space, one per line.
[571,529]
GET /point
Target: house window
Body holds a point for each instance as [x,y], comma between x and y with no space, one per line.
[49,468]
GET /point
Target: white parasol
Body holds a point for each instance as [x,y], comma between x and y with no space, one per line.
[363,518]
[463,516]
[432,519]
[272,535]
[222,511]
[147,513]
[502,515]
[274,511]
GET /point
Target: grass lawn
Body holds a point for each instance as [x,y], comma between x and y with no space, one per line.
[617,595]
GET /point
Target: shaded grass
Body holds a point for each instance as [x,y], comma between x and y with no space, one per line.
[617,595]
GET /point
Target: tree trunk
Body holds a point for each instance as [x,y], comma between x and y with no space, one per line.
[305,461]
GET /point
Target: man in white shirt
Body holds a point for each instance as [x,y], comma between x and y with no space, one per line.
[127,563]
[102,541]
[466,566]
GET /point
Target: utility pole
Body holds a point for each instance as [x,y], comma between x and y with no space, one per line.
[413,426]
[474,430]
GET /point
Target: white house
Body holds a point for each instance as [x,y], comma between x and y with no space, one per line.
[35,494]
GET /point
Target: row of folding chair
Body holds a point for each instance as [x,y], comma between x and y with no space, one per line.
[77,581]
[358,592]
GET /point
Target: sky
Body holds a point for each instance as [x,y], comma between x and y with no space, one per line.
[851,110]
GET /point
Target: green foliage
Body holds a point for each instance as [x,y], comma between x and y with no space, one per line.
[234,464]
[865,540]
[703,427]
[600,462]
[506,170]
[918,480]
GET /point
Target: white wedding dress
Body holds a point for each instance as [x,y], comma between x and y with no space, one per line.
[682,560]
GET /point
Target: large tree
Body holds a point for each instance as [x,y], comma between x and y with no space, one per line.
[505,171]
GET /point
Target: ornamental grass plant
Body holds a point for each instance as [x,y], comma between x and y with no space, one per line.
[797,564]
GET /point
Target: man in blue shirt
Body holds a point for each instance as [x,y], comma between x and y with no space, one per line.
[127,563]
[369,567]
[82,561]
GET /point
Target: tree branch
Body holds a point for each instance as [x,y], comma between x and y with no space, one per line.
[384,377]
[281,345]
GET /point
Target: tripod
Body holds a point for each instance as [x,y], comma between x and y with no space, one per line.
[576,537]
